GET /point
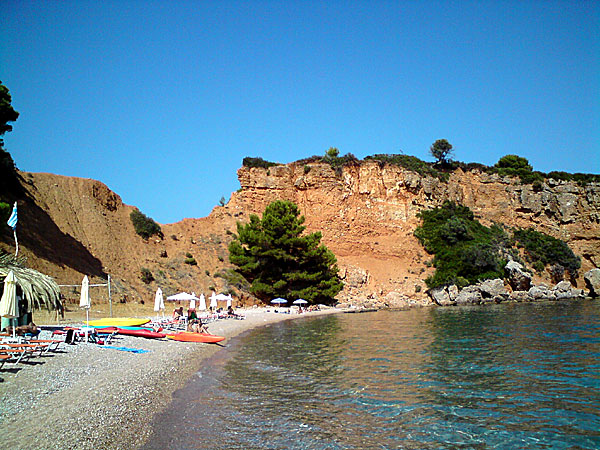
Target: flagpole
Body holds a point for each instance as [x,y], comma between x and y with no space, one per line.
[16,243]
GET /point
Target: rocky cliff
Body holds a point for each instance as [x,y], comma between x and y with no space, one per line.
[367,214]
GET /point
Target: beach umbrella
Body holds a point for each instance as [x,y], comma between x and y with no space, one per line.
[84,301]
[213,300]
[202,306]
[279,301]
[229,302]
[193,301]
[182,296]
[159,302]
[8,304]
[300,301]
[222,297]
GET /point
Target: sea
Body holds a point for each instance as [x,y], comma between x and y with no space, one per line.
[508,376]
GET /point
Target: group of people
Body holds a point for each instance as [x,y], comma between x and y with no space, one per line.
[194,324]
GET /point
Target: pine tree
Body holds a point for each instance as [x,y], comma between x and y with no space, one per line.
[278,261]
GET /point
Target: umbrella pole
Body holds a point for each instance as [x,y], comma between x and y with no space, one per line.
[87,319]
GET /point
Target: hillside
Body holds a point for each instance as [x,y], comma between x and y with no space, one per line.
[367,213]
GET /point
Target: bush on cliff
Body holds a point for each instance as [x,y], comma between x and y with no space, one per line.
[278,261]
[541,248]
[249,161]
[144,225]
[465,250]
[411,163]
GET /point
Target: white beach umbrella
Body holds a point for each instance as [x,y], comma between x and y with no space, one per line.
[182,296]
[193,301]
[300,301]
[202,306]
[159,301]
[8,304]
[279,301]
[213,300]
[229,301]
[84,301]
[222,297]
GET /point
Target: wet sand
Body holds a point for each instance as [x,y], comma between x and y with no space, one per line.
[89,397]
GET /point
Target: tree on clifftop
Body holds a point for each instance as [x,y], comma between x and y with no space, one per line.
[441,150]
[278,262]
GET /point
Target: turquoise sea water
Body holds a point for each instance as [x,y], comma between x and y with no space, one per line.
[519,376]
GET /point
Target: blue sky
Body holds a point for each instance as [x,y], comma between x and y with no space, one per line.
[162,100]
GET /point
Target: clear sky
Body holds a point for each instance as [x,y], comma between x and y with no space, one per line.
[161,100]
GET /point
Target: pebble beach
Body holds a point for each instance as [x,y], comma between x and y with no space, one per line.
[88,396]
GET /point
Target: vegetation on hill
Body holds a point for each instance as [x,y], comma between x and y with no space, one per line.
[542,250]
[9,185]
[144,225]
[249,161]
[278,261]
[465,250]
[411,163]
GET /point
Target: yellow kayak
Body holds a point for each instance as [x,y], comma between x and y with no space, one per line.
[118,322]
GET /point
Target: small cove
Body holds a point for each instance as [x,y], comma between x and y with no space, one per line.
[500,377]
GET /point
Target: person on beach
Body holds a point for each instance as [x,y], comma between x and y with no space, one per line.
[178,313]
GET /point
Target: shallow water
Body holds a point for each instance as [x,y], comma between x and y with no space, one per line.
[519,376]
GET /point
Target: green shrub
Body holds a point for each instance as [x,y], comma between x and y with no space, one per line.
[411,163]
[464,250]
[146,275]
[336,162]
[257,162]
[189,259]
[547,249]
[306,169]
[144,225]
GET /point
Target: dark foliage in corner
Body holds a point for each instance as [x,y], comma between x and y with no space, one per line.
[144,225]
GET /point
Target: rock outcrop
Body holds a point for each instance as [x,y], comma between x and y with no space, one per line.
[592,282]
[367,214]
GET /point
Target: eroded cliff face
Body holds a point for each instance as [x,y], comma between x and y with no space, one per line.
[70,227]
[368,215]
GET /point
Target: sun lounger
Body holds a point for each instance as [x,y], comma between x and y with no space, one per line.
[16,354]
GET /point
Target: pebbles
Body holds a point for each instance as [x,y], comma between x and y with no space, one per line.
[87,396]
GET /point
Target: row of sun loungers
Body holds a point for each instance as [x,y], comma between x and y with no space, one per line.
[21,349]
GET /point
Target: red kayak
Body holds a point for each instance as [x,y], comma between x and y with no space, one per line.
[195,337]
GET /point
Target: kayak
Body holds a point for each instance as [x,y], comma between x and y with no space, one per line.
[125,327]
[196,337]
[118,322]
[141,332]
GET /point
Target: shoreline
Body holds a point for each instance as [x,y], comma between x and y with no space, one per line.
[89,397]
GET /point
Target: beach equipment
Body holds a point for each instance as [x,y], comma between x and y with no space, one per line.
[279,301]
[159,302]
[213,300]
[118,321]
[84,301]
[193,301]
[9,307]
[202,306]
[196,337]
[180,297]
[300,301]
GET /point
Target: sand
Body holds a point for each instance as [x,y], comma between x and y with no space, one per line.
[89,397]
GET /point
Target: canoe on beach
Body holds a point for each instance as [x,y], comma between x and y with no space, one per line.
[118,322]
[195,337]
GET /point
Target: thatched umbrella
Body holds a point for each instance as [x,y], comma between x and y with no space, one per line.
[39,290]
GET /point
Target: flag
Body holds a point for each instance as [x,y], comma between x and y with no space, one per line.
[12,220]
